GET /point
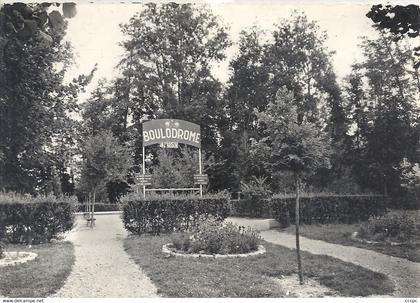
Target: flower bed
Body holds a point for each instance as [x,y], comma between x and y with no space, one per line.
[398,227]
[211,237]
[16,257]
[171,250]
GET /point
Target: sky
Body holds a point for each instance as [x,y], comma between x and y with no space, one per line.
[95,33]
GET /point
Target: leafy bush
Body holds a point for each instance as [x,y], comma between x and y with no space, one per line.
[329,209]
[211,237]
[396,226]
[25,219]
[254,202]
[168,213]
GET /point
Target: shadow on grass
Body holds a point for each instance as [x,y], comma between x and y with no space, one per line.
[247,277]
[40,277]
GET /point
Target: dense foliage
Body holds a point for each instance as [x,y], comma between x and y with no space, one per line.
[361,135]
[105,160]
[329,209]
[34,220]
[212,237]
[157,215]
[37,131]
[401,21]
[402,226]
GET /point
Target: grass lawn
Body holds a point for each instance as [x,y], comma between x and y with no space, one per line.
[247,277]
[40,277]
[340,234]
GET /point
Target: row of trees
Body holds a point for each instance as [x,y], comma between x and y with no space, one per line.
[366,128]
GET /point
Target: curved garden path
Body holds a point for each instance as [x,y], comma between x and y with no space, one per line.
[102,267]
[404,273]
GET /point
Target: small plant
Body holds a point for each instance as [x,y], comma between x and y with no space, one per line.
[255,193]
[211,237]
[402,226]
[2,247]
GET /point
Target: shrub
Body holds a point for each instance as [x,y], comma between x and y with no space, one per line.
[26,219]
[254,202]
[329,209]
[396,226]
[211,237]
[168,213]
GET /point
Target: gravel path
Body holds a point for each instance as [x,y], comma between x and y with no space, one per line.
[405,274]
[102,267]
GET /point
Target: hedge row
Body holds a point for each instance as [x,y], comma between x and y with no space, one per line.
[157,215]
[329,209]
[35,222]
[254,207]
[315,209]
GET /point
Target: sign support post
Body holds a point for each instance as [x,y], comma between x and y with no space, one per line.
[200,170]
[144,172]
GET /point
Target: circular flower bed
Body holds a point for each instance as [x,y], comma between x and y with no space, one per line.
[212,238]
[11,258]
[171,250]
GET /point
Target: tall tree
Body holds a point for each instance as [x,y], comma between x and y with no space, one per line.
[289,144]
[246,92]
[35,103]
[383,114]
[166,72]
[295,57]
[172,48]
[300,60]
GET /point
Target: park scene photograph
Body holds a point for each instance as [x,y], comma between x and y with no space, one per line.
[209,149]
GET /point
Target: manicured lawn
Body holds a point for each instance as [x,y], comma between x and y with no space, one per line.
[247,277]
[340,234]
[40,277]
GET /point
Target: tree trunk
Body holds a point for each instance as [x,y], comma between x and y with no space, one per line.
[92,209]
[297,182]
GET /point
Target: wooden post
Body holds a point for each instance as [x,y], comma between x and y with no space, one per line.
[297,181]
[200,169]
[144,172]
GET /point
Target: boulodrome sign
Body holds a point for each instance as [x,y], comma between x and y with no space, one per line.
[169,132]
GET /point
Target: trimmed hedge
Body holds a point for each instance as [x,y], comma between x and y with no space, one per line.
[34,220]
[157,215]
[99,207]
[329,209]
[253,206]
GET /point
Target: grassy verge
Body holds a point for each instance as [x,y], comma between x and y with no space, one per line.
[40,277]
[247,277]
[340,234]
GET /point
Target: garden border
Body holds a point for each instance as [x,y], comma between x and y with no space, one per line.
[25,257]
[169,249]
[356,238]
